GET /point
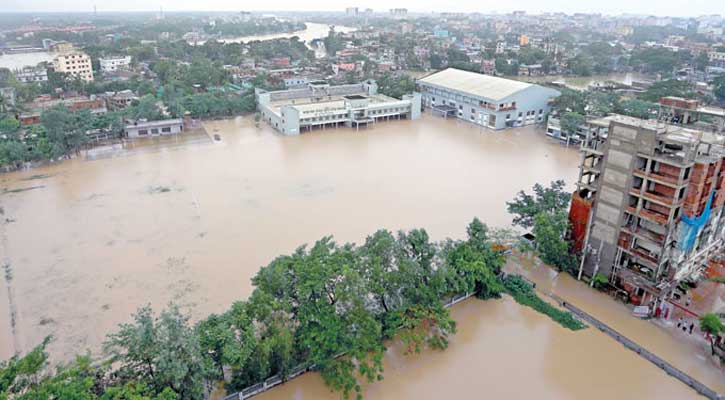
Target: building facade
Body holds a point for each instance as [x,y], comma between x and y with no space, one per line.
[320,105]
[32,74]
[114,63]
[141,129]
[75,63]
[485,100]
[648,206]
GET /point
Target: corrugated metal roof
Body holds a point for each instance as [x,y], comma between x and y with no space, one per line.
[477,84]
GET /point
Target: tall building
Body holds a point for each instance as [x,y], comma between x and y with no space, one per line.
[648,206]
[351,11]
[485,100]
[75,63]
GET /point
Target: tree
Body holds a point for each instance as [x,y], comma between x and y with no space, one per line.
[162,352]
[570,100]
[549,200]
[666,88]
[570,122]
[719,88]
[549,230]
[637,108]
[710,323]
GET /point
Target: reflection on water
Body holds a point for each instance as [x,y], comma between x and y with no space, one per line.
[191,221]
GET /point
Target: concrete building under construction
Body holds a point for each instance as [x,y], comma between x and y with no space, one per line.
[647,212]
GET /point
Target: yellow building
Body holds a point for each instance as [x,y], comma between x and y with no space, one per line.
[523,40]
[75,63]
[62,47]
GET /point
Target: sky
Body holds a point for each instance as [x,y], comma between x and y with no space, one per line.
[612,7]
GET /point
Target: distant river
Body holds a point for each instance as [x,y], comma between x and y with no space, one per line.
[313,31]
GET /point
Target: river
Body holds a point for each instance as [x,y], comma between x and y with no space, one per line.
[311,32]
[189,220]
[582,82]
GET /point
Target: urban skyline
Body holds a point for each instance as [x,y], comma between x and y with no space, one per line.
[616,7]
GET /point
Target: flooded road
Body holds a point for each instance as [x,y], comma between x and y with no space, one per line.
[189,220]
[505,351]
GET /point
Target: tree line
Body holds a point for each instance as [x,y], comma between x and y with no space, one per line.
[332,306]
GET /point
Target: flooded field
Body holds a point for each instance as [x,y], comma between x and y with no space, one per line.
[191,220]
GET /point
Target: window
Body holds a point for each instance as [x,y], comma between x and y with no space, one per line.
[520,113]
[143,132]
[166,130]
[541,110]
[154,131]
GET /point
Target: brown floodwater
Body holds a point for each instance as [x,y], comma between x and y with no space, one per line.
[191,220]
[505,351]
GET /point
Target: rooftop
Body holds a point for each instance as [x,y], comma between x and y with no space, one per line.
[477,84]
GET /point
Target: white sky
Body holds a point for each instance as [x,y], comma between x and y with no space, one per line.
[650,7]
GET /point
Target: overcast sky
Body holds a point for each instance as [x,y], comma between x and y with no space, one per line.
[654,7]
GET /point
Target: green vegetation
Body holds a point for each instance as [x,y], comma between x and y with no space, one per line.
[546,212]
[710,323]
[524,294]
[599,280]
[718,279]
[395,85]
[550,199]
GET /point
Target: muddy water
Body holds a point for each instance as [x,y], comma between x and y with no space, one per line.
[190,220]
[505,351]
[689,353]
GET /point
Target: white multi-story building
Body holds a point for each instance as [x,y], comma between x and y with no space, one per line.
[32,74]
[75,63]
[113,64]
[320,106]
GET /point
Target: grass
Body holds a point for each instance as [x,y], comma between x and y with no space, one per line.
[525,295]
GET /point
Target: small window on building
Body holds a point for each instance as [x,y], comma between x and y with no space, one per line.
[154,131]
[541,110]
[143,132]
[166,130]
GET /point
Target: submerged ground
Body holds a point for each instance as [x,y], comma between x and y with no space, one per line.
[191,220]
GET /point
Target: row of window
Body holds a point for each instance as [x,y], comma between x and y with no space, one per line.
[154,131]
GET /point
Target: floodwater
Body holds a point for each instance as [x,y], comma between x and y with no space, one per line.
[19,60]
[313,31]
[191,220]
[505,351]
[583,82]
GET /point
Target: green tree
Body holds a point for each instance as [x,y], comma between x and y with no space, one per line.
[666,88]
[161,351]
[570,122]
[549,200]
[710,323]
[553,248]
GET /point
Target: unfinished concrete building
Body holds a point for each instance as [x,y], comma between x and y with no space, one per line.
[648,206]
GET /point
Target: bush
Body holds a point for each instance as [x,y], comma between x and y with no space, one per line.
[524,294]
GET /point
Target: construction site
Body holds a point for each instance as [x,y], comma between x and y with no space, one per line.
[647,211]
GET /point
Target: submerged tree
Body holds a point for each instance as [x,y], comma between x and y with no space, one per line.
[526,206]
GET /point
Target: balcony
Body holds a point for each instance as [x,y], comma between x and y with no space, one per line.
[656,197]
[643,256]
[649,215]
[665,179]
[507,108]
